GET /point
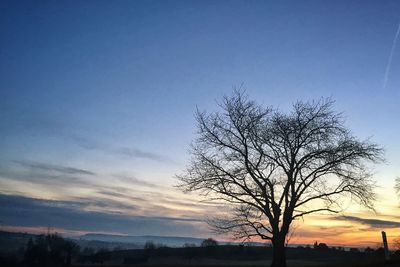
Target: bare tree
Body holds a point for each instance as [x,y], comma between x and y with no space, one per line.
[396,243]
[397,186]
[274,167]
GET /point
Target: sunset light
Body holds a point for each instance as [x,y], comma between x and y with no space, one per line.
[269,122]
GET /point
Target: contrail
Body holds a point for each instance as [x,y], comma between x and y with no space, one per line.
[389,64]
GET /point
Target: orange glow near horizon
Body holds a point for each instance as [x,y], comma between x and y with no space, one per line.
[352,235]
[149,201]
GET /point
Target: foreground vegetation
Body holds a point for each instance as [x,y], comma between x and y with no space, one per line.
[53,250]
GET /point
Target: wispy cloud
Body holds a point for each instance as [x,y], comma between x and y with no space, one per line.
[116,194]
[54,168]
[374,223]
[130,152]
[133,180]
[44,173]
[24,211]
[137,153]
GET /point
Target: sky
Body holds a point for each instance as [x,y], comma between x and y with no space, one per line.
[97,103]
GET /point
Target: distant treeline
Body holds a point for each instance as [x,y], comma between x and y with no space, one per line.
[53,250]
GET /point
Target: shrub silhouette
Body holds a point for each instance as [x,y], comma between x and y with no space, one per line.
[209,242]
[49,250]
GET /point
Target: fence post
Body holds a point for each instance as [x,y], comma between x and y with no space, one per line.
[385,245]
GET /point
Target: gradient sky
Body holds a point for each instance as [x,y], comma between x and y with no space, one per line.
[97,101]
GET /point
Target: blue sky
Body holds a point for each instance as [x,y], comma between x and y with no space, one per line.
[110,87]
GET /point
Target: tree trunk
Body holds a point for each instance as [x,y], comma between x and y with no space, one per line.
[279,252]
[69,256]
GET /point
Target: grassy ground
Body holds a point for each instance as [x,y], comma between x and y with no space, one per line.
[226,263]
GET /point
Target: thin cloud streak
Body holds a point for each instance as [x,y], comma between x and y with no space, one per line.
[130,152]
[137,153]
[389,64]
[373,223]
[45,174]
[54,168]
[134,180]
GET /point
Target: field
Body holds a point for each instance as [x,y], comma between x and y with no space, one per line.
[236,256]
[264,263]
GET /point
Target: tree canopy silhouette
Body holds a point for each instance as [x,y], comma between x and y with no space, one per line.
[273,167]
[209,242]
[50,250]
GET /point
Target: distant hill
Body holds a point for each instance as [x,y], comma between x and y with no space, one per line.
[171,241]
[10,241]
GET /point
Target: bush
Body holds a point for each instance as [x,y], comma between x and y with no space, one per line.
[209,242]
